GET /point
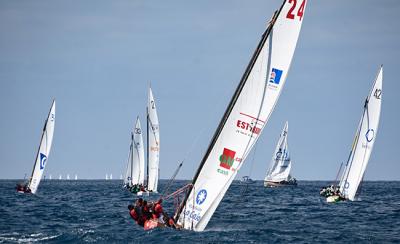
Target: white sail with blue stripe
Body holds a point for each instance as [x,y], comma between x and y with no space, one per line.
[44,150]
[363,141]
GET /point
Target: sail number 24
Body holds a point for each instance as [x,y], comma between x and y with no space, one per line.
[290,14]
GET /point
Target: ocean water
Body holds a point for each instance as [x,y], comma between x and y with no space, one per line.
[96,211]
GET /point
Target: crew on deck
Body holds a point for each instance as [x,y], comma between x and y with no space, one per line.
[23,188]
[150,213]
[330,191]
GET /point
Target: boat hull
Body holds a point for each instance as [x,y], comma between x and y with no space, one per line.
[271,184]
[143,193]
[151,224]
[332,199]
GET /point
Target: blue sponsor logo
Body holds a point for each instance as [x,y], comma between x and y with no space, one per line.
[201,196]
[43,160]
[275,76]
[370,135]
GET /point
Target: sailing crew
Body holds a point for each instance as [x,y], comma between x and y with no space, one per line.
[157,209]
[23,188]
[146,210]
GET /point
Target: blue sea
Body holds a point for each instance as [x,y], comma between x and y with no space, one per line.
[96,211]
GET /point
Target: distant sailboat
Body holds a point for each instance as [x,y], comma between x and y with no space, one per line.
[42,154]
[110,176]
[279,171]
[135,167]
[153,153]
[76,177]
[67,176]
[363,143]
[50,177]
[60,177]
[245,117]
[106,176]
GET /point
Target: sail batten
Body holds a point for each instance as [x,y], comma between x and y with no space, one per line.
[244,118]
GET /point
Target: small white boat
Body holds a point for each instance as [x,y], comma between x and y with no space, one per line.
[281,164]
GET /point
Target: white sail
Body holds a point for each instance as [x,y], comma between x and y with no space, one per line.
[76,177]
[153,144]
[128,172]
[44,149]
[67,176]
[280,163]
[137,155]
[245,117]
[363,141]
[60,177]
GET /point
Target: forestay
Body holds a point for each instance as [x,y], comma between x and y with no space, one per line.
[153,144]
[363,141]
[280,164]
[136,156]
[44,149]
[245,117]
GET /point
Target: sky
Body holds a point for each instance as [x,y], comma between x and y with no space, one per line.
[97,59]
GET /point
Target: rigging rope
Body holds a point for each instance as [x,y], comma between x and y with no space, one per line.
[245,186]
[171,180]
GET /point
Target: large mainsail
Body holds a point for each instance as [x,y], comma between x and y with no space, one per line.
[136,156]
[44,149]
[153,144]
[280,164]
[363,141]
[245,117]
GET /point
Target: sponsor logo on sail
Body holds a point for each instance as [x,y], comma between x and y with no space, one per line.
[250,127]
[275,76]
[369,135]
[43,160]
[201,196]
[227,158]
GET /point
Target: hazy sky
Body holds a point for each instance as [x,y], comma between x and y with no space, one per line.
[96,58]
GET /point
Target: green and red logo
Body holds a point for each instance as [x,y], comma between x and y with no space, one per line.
[227,158]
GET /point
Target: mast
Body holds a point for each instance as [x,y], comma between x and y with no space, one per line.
[147,145]
[231,104]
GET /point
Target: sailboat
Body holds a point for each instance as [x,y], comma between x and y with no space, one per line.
[42,154]
[135,166]
[279,171]
[363,143]
[153,152]
[153,144]
[245,117]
